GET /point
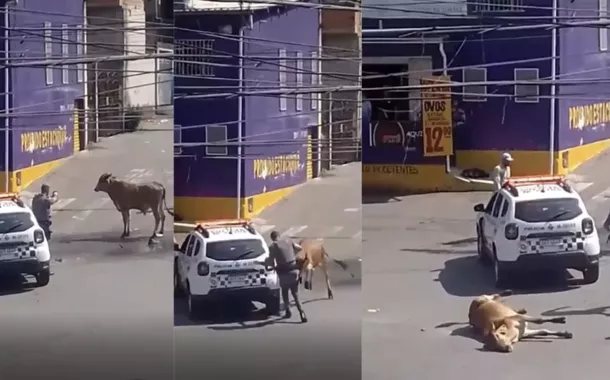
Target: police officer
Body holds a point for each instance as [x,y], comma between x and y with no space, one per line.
[41,207]
[284,254]
[501,173]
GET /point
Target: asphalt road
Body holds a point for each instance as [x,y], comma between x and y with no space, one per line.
[107,312]
[421,273]
[329,344]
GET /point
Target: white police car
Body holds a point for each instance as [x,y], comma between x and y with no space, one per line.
[23,246]
[537,223]
[225,260]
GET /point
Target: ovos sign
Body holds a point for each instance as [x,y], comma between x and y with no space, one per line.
[414,9]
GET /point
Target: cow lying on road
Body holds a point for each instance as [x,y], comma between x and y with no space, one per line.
[501,326]
[128,196]
[313,255]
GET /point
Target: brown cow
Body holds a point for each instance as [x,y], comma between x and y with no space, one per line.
[313,255]
[502,326]
[128,196]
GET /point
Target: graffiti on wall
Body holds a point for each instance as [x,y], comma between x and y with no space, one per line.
[392,170]
[40,140]
[589,115]
[278,165]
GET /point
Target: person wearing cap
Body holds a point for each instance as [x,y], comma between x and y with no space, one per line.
[41,207]
[501,173]
[283,255]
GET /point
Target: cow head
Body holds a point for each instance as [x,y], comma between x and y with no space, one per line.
[103,183]
[502,338]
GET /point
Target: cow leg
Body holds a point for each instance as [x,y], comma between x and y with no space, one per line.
[540,320]
[521,311]
[126,224]
[328,288]
[157,222]
[162,217]
[308,275]
[533,333]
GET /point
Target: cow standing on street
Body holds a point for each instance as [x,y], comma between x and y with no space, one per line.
[128,196]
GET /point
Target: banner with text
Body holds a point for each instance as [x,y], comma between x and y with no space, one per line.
[437,117]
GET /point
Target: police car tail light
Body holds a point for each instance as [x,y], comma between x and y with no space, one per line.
[587,226]
[203,269]
[511,231]
[38,236]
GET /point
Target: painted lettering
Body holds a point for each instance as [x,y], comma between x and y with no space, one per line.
[39,140]
[589,115]
[399,170]
[274,166]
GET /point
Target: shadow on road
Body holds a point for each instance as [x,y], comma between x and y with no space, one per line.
[17,284]
[379,198]
[562,312]
[466,277]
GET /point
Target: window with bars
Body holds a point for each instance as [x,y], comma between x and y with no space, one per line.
[282,78]
[80,52]
[314,79]
[299,78]
[478,92]
[193,58]
[216,134]
[65,53]
[48,52]
[603,31]
[527,93]
[497,6]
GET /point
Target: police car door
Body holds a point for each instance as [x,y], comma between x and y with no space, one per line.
[495,222]
[488,227]
[183,259]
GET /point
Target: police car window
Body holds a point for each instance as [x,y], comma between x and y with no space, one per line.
[229,250]
[546,210]
[189,249]
[185,243]
[504,208]
[15,222]
[197,248]
[491,203]
[497,206]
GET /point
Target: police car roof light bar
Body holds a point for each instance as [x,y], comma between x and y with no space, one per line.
[533,180]
[12,197]
[203,226]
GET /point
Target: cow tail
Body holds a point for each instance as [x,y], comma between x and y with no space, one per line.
[165,202]
[340,263]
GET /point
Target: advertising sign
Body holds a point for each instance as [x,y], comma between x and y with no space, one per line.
[437,118]
[414,9]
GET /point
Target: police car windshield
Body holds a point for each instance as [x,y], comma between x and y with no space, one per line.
[234,249]
[545,210]
[15,222]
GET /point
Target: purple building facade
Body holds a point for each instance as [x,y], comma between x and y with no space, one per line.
[253,52]
[41,125]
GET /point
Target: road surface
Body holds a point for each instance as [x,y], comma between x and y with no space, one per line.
[329,344]
[107,312]
[422,248]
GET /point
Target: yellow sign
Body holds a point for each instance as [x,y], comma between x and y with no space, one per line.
[437,118]
[589,115]
[274,166]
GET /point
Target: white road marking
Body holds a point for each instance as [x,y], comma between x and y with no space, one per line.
[601,195]
[264,228]
[351,209]
[357,235]
[98,203]
[581,186]
[298,230]
[335,230]
[62,203]
[292,231]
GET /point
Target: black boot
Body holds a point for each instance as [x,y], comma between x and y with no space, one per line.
[303,317]
[288,314]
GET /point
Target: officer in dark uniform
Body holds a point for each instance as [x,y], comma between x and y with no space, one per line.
[283,253]
[41,207]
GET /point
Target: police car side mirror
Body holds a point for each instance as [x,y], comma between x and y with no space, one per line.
[479,207]
[176,247]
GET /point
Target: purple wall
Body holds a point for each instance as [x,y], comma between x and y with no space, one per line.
[583,111]
[42,118]
[195,173]
[282,133]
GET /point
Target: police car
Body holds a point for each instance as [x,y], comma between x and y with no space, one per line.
[537,223]
[23,246]
[222,260]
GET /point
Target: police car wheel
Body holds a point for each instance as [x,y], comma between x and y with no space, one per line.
[177,289]
[501,275]
[591,274]
[193,304]
[273,303]
[43,278]
[483,257]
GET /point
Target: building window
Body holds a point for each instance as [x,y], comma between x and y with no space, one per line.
[602,30]
[48,52]
[177,140]
[194,58]
[65,54]
[526,93]
[478,92]
[216,134]
[80,52]
[496,6]
[299,75]
[314,79]
[282,79]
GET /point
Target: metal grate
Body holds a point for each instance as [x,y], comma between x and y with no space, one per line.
[193,58]
[497,6]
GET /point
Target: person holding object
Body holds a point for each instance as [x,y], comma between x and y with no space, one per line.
[283,256]
[41,207]
[501,173]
